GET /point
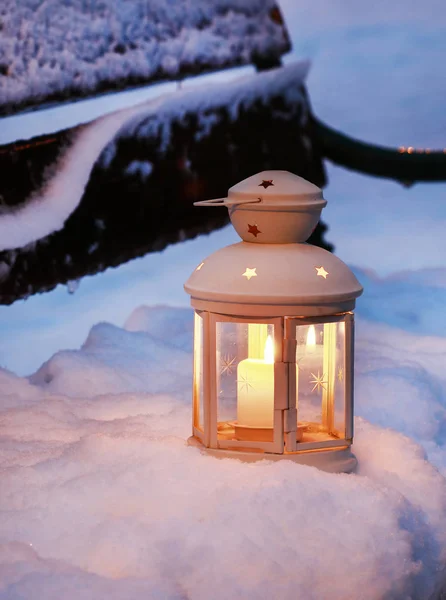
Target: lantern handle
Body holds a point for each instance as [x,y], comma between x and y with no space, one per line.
[227,202]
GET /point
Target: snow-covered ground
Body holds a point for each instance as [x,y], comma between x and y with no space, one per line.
[100,497]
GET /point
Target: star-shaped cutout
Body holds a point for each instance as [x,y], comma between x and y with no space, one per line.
[321,272]
[266,183]
[250,273]
[199,266]
[254,230]
[244,384]
[319,382]
[340,374]
[227,365]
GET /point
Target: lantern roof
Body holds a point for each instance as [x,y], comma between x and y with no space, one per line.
[280,189]
[273,279]
[272,272]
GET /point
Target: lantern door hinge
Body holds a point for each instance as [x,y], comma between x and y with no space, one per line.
[290,420]
[289,350]
[281,385]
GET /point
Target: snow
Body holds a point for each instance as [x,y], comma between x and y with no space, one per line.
[52,49]
[65,116]
[142,168]
[48,210]
[50,120]
[100,495]
[98,485]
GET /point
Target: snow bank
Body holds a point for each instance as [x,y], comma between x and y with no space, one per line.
[101,496]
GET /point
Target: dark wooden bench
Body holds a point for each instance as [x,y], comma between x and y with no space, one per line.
[139,195]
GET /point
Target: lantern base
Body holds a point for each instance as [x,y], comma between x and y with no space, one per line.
[332,460]
[245,433]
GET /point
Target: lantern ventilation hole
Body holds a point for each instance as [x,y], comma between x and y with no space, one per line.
[250,273]
[322,272]
[266,183]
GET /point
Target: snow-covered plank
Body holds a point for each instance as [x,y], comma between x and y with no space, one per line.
[51,51]
[127,183]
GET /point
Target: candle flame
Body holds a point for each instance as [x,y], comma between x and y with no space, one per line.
[311,336]
[268,354]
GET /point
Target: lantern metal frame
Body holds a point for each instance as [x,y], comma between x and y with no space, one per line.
[252,282]
[279,385]
[285,443]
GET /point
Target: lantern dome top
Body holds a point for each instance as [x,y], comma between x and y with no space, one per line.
[278,188]
[272,273]
[273,207]
[273,280]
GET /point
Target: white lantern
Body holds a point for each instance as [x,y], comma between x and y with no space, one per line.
[273,348]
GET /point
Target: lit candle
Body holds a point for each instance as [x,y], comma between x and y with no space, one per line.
[255,398]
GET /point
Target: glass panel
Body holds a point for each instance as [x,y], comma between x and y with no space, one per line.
[339,384]
[320,392]
[245,381]
[198,393]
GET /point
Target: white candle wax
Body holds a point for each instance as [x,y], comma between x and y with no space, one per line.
[255,399]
